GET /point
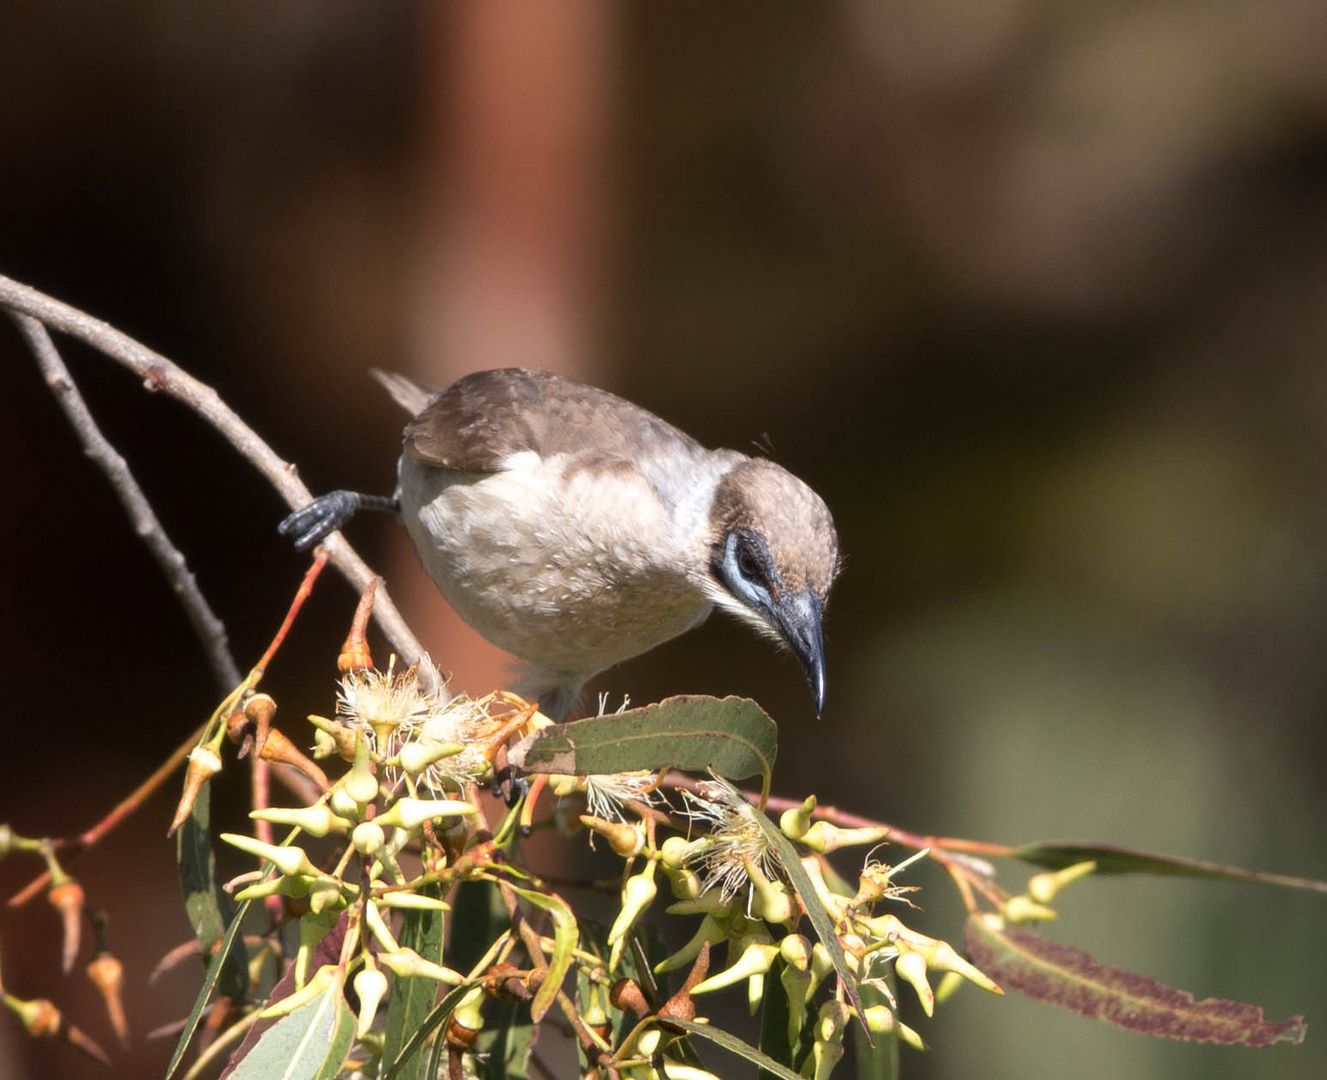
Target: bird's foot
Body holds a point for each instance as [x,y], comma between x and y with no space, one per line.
[312,524]
[509,787]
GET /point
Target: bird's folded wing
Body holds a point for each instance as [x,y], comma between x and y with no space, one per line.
[481,420]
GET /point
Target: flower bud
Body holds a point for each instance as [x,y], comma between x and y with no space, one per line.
[360,783]
[882,1021]
[755,959]
[911,968]
[279,750]
[796,951]
[627,995]
[368,838]
[1043,888]
[1023,909]
[626,840]
[316,820]
[316,986]
[312,929]
[326,894]
[684,883]
[769,899]
[709,932]
[707,903]
[343,805]
[106,973]
[411,901]
[827,1050]
[370,985]
[378,926]
[948,986]
[941,956]
[796,821]
[39,1017]
[324,746]
[407,813]
[797,989]
[355,654]
[468,1017]
[204,763]
[343,738]
[637,895]
[66,896]
[277,886]
[415,757]
[676,852]
[410,965]
[824,837]
[287,860]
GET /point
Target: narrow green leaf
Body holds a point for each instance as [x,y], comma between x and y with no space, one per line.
[878,1062]
[442,1011]
[505,1045]
[566,936]
[477,918]
[410,1000]
[774,1015]
[734,1045]
[733,736]
[1111,859]
[815,910]
[309,1044]
[214,969]
[1060,975]
[208,907]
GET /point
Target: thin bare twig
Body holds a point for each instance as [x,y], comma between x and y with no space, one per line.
[161,374]
[207,627]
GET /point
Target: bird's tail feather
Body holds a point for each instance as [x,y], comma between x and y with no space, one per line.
[412,396]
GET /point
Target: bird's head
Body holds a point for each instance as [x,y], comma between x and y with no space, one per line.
[773,557]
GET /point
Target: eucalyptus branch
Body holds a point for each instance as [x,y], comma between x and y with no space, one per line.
[207,627]
[160,374]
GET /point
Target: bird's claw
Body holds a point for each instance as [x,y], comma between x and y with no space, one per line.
[312,524]
[509,787]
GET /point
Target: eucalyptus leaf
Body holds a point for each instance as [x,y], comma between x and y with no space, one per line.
[208,907]
[439,1015]
[477,918]
[734,1045]
[1064,976]
[733,736]
[774,1015]
[879,1061]
[1111,859]
[566,936]
[821,922]
[214,969]
[410,999]
[505,1045]
[310,1043]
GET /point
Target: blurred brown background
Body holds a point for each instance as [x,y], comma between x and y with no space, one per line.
[1035,295]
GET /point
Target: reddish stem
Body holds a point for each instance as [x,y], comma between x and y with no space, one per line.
[302,594]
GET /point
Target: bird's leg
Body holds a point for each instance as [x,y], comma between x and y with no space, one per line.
[312,524]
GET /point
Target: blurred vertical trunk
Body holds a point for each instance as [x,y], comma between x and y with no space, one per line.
[516,200]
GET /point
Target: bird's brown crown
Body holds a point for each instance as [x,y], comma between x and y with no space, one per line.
[766,500]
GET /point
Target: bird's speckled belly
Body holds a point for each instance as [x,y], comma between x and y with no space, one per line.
[572,582]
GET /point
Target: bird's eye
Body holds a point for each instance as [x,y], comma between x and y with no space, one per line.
[749,564]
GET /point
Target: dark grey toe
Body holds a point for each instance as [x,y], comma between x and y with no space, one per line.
[312,524]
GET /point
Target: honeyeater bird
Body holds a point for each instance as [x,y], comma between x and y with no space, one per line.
[576,530]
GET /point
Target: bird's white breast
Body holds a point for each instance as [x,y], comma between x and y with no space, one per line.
[572,569]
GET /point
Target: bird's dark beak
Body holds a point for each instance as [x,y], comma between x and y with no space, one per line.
[798,618]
